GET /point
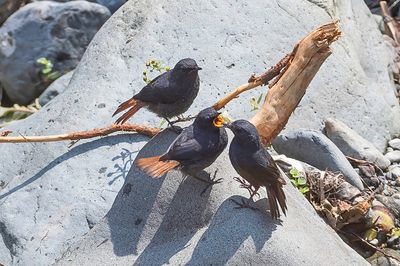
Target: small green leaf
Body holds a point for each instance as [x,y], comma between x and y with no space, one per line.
[304,190]
[42,61]
[46,70]
[294,182]
[301,181]
[259,98]
[294,172]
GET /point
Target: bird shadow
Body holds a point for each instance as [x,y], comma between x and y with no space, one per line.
[229,229]
[142,200]
[75,151]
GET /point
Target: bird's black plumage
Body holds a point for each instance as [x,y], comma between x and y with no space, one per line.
[196,148]
[200,144]
[255,164]
[170,94]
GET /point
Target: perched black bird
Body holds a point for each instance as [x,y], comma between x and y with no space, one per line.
[170,94]
[256,165]
[196,148]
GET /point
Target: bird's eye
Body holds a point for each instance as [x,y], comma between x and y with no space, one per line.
[218,121]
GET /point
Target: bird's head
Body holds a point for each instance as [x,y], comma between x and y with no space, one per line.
[245,131]
[187,65]
[209,117]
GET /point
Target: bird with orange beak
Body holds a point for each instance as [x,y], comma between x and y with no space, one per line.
[196,148]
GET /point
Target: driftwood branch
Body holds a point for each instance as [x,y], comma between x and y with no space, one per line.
[255,82]
[284,96]
[148,131]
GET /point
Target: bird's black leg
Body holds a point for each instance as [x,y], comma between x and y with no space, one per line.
[176,129]
[243,184]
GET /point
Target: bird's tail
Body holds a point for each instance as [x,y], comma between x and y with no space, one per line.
[154,167]
[277,196]
[134,106]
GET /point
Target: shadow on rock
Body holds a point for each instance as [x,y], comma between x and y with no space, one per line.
[75,151]
[228,231]
[151,212]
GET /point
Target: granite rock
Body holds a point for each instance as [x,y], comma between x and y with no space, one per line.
[316,149]
[352,144]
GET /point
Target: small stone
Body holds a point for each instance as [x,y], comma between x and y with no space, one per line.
[393,156]
[55,88]
[374,242]
[316,149]
[392,241]
[395,144]
[396,196]
[352,144]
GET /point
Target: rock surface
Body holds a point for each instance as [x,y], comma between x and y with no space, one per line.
[351,144]
[167,221]
[393,156]
[112,5]
[228,48]
[316,149]
[7,7]
[55,88]
[59,32]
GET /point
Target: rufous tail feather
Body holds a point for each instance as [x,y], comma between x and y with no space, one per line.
[134,106]
[154,167]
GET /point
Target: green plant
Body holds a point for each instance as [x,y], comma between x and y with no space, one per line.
[151,66]
[299,181]
[47,69]
[17,112]
[255,103]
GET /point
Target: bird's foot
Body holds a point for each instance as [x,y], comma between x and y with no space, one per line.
[244,184]
[245,204]
[213,180]
[181,118]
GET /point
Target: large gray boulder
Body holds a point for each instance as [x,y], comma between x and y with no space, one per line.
[168,221]
[59,32]
[52,195]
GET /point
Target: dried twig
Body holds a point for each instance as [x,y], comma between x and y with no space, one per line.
[254,81]
[391,25]
[148,131]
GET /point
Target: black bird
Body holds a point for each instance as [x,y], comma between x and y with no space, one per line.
[256,165]
[196,148]
[168,95]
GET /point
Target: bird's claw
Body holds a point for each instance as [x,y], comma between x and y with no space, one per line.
[181,118]
[244,205]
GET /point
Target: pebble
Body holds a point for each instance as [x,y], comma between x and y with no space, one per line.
[395,144]
[393,156]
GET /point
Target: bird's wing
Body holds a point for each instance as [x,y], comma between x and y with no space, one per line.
[185,147]
[159,90]
[259,166]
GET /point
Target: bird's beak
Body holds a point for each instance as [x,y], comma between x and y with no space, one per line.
[218,121]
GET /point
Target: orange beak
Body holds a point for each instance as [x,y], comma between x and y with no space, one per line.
[219,121]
